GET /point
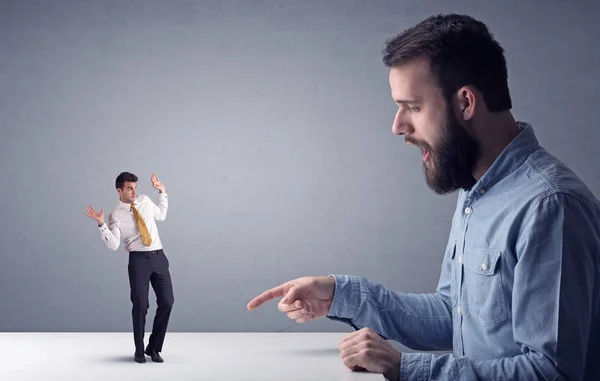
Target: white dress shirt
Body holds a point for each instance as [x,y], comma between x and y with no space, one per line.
[122,225]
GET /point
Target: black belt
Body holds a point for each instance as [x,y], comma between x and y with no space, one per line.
[147,252]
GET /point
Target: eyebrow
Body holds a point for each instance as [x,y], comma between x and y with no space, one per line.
[407,101]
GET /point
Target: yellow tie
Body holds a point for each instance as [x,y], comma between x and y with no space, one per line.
[146,239]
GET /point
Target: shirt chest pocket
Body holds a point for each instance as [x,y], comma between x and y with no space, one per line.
[483,292]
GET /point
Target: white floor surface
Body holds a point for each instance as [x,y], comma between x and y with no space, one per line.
[188,356]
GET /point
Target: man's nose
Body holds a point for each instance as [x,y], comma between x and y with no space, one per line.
[402,129]
[400,126]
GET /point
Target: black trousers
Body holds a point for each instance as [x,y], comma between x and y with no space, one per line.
[150,267]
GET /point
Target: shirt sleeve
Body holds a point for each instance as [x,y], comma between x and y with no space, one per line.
[111,234]
[160,210]
[419,321]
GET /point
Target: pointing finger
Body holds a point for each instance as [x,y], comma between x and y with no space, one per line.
[265,297]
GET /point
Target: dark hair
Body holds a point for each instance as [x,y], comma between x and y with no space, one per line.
[460,51]
[123,177]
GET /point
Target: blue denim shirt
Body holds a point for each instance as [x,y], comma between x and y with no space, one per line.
[519,291]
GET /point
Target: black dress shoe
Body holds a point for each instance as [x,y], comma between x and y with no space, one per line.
[139,358]
[154,355]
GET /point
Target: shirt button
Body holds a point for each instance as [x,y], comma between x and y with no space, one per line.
[482,191]
[484,267]
[468,210]
[458,310]
[460,260]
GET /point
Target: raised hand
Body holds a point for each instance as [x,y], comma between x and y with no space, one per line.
[98,216]
[156,183]
[303,299]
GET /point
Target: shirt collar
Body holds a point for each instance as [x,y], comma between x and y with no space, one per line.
[515,153]
[127,206]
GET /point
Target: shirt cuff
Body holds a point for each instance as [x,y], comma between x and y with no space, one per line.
[415,366]
[103,228]
[346,297]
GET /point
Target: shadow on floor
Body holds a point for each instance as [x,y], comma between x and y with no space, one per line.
[312,352]
[119,359]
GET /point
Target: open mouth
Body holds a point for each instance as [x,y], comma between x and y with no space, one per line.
[425,155]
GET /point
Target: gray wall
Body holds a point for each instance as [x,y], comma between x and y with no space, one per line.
[269,123]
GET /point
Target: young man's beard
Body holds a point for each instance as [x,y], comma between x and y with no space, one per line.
[452,161]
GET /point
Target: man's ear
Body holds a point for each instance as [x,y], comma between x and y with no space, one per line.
[467,100]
